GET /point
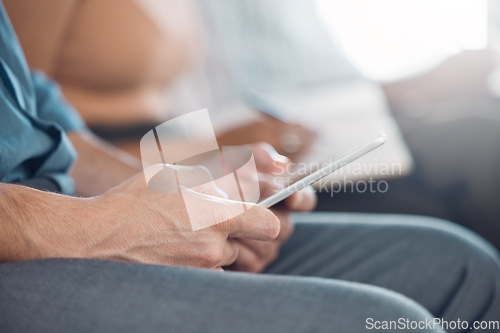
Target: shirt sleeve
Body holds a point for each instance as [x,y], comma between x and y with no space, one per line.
[52,106]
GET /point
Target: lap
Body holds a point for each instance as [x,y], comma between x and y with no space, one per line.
[335,272]
[100,296]
[449,270]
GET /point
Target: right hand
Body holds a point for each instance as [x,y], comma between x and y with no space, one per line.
[255,255]
[140,225]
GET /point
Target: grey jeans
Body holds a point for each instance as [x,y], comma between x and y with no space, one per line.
[338,273]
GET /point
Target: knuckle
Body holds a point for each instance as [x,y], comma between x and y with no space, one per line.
[253,266]
[269,224]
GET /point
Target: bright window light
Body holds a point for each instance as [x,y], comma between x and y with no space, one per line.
[390,39]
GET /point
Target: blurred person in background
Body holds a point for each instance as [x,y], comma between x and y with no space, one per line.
[116,72]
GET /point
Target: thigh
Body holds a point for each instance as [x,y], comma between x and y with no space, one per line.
[444,267]
[99,296]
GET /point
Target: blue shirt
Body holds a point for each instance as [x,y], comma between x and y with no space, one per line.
[33,120]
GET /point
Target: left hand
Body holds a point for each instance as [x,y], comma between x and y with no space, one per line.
[255,255]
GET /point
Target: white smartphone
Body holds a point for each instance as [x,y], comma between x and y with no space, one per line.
[323,172]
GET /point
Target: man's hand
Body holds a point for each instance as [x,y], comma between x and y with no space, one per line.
[255,255]
[128,222]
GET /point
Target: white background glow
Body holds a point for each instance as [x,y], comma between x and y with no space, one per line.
[390,39]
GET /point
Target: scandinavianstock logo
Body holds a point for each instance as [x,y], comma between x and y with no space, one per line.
[182,156]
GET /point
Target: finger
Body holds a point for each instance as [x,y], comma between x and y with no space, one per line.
[286,225]
[268,160]
[235,219]
[294,140]
[247,261]
[304,200]
[265,250]
[256,223]
[204,210]
[230,253]
[269,185]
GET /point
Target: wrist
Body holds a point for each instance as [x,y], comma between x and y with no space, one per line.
[43,225]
